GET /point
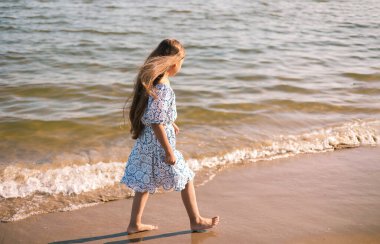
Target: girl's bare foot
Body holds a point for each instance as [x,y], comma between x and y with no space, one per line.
[204,223]
[140,227]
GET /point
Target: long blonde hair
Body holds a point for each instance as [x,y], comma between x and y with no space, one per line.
[167,53]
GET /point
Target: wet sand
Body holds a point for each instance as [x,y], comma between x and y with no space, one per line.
[331,197]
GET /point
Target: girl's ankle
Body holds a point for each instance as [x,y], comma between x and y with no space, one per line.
[195,220]
[134,225]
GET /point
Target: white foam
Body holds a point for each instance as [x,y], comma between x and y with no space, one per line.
[76,179]
[350,134]
[67,180]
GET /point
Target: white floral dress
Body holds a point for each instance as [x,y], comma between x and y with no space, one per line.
[146,169]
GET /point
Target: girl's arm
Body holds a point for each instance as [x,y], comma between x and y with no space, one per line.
[160,133]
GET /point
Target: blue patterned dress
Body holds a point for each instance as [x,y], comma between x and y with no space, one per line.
[146,169]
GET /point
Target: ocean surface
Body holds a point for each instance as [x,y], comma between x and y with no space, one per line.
[261,80]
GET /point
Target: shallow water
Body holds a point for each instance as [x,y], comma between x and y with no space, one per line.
[260,80]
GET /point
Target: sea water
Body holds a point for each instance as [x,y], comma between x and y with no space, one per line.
[260,80]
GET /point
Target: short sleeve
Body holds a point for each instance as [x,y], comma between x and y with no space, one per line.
[158,108]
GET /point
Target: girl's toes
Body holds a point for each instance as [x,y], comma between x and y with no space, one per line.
[215,220]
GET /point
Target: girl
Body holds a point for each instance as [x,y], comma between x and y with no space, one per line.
[154,160]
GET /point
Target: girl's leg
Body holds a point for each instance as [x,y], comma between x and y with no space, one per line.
[138,206]
[197,222]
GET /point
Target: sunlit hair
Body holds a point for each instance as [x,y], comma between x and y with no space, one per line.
[167,53]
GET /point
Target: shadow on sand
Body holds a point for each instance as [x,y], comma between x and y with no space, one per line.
[196,237]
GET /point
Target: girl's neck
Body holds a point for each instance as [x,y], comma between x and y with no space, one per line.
[165,79]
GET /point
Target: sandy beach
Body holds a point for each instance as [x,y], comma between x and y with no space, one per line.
[328,197]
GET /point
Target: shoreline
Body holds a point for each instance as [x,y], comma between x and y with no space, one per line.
[329,197]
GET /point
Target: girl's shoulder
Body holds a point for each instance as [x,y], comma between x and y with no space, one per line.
[164,88]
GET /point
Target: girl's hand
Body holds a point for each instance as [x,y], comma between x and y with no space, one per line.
[170,158]
[176,129]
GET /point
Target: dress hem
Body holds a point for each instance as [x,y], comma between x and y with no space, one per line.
[174,188]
